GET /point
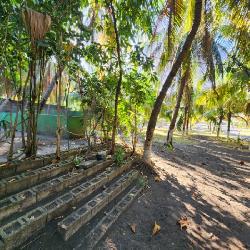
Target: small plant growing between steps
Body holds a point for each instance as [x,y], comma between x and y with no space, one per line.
[119,156]
[77,161]
[142,181]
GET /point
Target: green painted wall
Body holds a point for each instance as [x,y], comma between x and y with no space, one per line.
[47,123]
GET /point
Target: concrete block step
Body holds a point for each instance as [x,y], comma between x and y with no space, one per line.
[17,231]
[101,228]
[16,167]
[20,201]
[72,223]
[30,178]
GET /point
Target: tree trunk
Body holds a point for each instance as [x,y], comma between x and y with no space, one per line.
[48,91]
[135,132]
[176,65]
[229,116]
[58,131]
[184,119]
[219,124]
[119,83]
[177,107]
[187,123]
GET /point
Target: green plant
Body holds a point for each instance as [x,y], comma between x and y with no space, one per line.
[119,156]
[142,181]
[77,161]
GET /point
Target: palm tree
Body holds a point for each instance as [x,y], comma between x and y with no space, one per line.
[176,66]
[183,83]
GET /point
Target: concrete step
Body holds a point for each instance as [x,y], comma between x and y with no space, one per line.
[104,224]
[18,202]
[18,166]
[72,223]
[17,231]
[30,178]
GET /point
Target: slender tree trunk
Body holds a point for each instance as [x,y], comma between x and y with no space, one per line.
[229,116]
[187,123]
[176,65]
[184,119]
[13,135]
[119,83]
[219,124]
[50,88]
[177,107]
[58,131]
[134,138]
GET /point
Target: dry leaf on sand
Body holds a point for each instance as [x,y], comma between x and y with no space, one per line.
[183,222]
[157,178]
[156,229]
[133,227]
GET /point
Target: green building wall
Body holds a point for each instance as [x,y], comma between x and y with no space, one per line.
[47,123]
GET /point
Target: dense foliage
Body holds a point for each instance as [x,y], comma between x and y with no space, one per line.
[108,57]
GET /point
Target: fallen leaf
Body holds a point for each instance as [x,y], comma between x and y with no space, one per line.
[157,178]
[11,180]
[183,222]
[133,227]
[156,229]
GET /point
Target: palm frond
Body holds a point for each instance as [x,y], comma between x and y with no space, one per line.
[217,57]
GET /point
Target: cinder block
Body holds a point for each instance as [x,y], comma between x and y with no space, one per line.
[12,234]
[7,170]
[74,221]
[29,164]
[69,225]
[2,188]
[101,155]
[45,172]
[67,201]
[102,201]
[30,178]
[15,183]
[8,206]
[33,221]
[87,164]
[71,178]
[53,209]
[25,198]
[79,193]
[48,188]
[86,185]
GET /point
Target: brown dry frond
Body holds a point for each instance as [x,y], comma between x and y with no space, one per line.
[37,24]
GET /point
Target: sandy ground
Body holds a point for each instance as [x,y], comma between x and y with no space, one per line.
[46,145]
[202,179]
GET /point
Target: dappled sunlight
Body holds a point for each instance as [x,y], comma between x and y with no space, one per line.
[212,186]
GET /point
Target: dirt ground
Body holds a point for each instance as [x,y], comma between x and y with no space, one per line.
[203,179]
[46,145]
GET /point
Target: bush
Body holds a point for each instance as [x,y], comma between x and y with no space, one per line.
[119,156]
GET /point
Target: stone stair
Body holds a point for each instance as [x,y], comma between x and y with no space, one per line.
[62,190]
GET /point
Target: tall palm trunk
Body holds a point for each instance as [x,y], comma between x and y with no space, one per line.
[229,117]
[119,82]
[184,80]
[219,123]
[176,65]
